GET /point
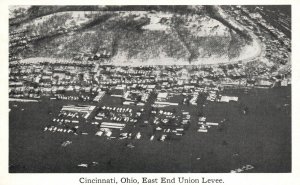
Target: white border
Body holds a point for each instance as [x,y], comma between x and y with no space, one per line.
[232,179]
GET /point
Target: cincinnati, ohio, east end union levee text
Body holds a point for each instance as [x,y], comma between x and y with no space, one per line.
[150,89]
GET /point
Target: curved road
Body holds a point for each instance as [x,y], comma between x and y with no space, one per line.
[255,40]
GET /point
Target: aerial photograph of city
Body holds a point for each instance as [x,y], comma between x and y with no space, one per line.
[150,89]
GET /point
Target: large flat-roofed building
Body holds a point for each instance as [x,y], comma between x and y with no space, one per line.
[99,96]
[112,125]
[85,109]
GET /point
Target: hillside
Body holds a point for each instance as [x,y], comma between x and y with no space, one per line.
[141,35]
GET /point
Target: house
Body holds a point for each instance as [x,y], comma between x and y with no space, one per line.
[263,83]
[119,91]
[162,96]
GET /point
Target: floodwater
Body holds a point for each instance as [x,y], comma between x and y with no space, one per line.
[261,138]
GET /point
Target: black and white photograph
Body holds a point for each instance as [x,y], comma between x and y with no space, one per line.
[149,89]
